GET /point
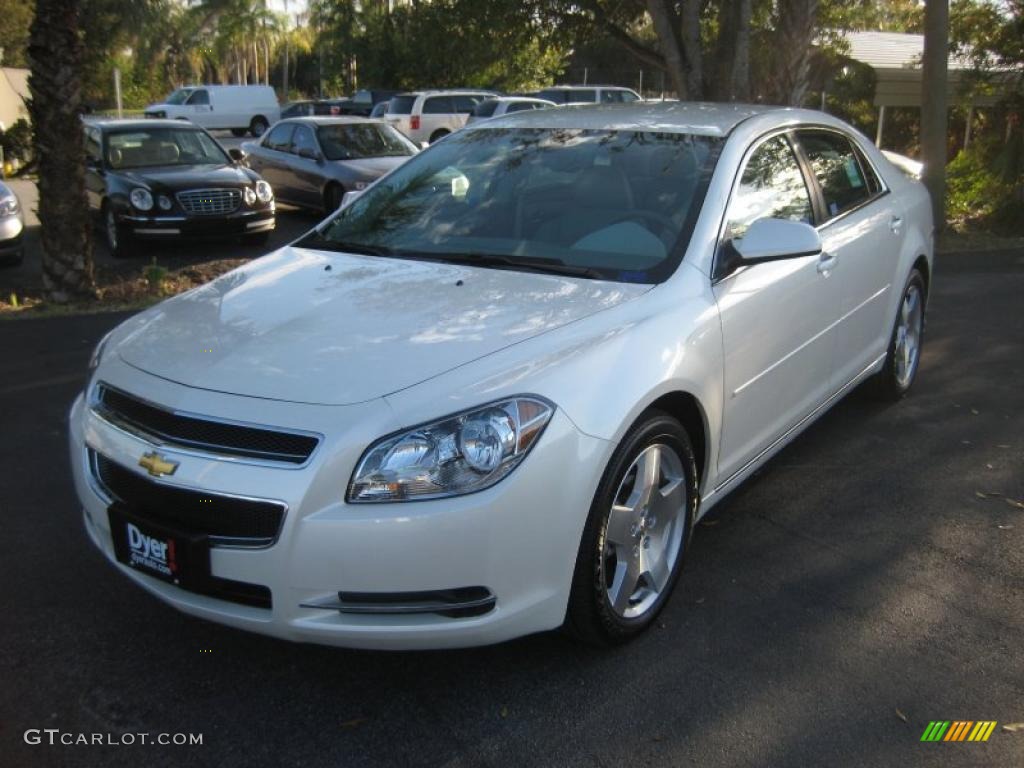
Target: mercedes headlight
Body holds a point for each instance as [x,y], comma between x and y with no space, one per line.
[250,196]
[263,191]
[9,206]
[141,199]
[460,454]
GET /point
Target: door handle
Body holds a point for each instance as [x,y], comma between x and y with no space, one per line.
[827,263]
[896,224]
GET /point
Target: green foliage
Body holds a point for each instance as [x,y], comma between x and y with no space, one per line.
[155,276]
[17,140]
[978,193]
[15,19]
[497,44]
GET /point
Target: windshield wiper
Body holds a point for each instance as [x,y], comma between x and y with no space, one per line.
[545,265]
[318,242]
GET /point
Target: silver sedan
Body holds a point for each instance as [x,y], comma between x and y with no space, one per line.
[312,162]
[12,226]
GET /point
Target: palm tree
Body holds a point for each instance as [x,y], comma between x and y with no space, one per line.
[55,55]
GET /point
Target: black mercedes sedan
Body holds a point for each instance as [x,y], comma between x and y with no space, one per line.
[167,179]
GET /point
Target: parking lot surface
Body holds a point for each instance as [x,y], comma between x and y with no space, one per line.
[869,580]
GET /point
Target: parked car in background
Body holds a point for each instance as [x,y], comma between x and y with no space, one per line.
[503,105]
[166,179]
[379,110]
[432,115]
[12,227]
[240,108]
[494,395]
[370,98]
[313,161]
[588,94]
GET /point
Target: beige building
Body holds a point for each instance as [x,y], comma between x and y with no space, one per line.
[13,95]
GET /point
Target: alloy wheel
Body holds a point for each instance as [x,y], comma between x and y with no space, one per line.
[908,336]
[644,533]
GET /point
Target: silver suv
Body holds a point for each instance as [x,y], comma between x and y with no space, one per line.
[588,94]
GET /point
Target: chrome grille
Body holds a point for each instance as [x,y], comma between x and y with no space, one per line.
[210,202]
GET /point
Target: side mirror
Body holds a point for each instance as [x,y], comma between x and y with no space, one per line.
[775,239]
[236,154]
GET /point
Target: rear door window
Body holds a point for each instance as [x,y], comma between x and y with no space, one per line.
[303,139]
[583,94]
[837,169]
[466,104]
[438,105]
[486,108]
[280,138]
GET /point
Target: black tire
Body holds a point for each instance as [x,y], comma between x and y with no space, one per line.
[118,239]
[438,135]
[256,239]
[892,383]
[591,615]
[258,126]
[238,132]
[333,196]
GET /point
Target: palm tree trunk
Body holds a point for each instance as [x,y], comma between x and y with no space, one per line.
[55,53]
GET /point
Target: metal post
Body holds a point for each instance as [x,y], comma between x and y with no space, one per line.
[584,75]
[641,82]
[822,99]
[881,126]
[117,91]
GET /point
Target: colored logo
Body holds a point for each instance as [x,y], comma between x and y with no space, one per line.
[958,730]
[157,465]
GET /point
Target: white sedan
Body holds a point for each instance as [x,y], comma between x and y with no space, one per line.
[493,394]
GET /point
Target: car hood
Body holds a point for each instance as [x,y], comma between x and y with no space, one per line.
[177,177]
[335,329]
[372,167]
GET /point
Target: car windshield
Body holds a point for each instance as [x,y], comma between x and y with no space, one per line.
[179,96]
[358,140]
[143,148]
[612,204]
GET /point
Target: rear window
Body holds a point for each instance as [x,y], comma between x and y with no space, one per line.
[555,95]
[438,105]
[401,105]
[837,168]
[486,108]
[583,94]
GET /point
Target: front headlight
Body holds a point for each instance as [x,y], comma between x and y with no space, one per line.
[141,199]
[250,196]
[263,191]
[460,454]
[9,206]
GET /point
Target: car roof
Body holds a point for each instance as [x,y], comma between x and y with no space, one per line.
[447,91]
[141,123]
[521,98]
[331,119]
[591,85]
[703,119]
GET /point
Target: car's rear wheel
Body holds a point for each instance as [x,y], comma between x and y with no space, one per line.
[438,135]
[904,355]
[258,126]
[119,241]
[636,535]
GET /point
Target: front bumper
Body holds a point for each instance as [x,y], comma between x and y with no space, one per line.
[518,539]
[243,222]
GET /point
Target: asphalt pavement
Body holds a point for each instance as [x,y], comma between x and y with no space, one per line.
[869,580]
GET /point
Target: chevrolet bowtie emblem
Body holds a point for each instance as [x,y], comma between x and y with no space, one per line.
[157,465]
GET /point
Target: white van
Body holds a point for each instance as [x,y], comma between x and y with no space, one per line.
[432,115]
[240,108]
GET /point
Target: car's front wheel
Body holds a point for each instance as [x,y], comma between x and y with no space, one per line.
[258,126]
[119,241]
[637,532]
[904,355]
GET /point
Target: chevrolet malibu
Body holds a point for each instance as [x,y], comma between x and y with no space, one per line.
[493,394]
